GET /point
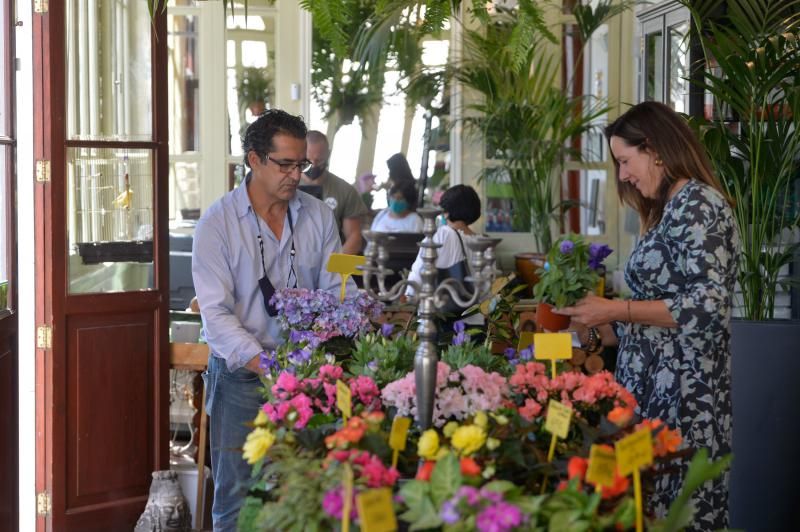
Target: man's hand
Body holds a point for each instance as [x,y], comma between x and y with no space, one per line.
[254,364]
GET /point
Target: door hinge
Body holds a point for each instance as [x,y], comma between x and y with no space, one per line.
[44,337]
[43,503]
[43,171]
[40,6]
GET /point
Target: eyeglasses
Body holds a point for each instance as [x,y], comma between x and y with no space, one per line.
[288,167]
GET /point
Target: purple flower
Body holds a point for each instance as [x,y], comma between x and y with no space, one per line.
[499,517]
[269,361]
[373,365]
[598,253]
[527,353]
[510,353]
[566,247]
[461,336]
[387,329]
[299,356]
[333,502]
[449,513]
[470,493]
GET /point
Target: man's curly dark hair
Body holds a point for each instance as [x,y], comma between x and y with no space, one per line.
[259,134]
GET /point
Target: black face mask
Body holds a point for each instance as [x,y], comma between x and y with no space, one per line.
[315,172]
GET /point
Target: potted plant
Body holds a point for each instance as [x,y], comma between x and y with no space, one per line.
[570,272]
[254,87]
[753,139]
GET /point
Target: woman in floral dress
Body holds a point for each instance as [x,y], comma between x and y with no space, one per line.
[674,333]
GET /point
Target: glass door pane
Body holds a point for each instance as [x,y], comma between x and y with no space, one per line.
[109,219]
[108,70]
[654,66]
[679,67]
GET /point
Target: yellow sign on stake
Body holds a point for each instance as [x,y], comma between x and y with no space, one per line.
[345,265]
[558,417]
[347,504]
[343,400]
[602,464]
[634,452]
[398,436]
[552,347]
[376,510]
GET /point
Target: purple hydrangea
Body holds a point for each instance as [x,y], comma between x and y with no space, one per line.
[598,253]
[566,247]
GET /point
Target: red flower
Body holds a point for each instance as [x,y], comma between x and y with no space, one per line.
[576,467]
[425,471]
[620,415]
[470,467]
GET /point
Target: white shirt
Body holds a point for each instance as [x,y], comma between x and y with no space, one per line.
[385,223]
[448,255]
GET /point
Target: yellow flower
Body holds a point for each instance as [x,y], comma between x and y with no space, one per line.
[261,419]
[449,429]
[492,444]
[468,439]
[480,419]
[258,443]
[501,419]
[428,445]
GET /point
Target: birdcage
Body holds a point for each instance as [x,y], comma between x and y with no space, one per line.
[110,204]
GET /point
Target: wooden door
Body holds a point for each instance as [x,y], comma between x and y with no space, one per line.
[101,228]
[9,344]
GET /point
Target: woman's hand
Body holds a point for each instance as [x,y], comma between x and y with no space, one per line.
[592,311]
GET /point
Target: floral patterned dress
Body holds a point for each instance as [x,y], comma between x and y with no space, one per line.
[682,375]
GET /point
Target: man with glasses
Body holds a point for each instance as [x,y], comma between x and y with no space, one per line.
[342,197]
[263,236]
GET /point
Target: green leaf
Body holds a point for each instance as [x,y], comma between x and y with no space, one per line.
[445,479]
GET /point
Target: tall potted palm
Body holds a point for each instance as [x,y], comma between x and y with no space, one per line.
[753,143]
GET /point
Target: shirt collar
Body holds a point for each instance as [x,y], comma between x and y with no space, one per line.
[244,207]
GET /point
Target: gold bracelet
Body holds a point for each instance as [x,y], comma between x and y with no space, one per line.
[629,312]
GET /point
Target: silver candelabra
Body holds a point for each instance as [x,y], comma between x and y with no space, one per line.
[428,296]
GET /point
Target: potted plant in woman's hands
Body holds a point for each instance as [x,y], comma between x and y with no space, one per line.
[571,271]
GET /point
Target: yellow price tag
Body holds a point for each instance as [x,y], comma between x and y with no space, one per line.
[634,451]
[399,434]
[602,464]
[558,417]
[376,510]
[525,339]
[553,346]
[343,399]
[345,265]
[347,485]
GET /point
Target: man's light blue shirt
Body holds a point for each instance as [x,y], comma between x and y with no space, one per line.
[226,267]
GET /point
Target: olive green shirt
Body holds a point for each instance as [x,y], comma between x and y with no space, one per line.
[343,199]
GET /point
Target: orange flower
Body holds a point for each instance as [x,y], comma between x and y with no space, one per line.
[351,433]
[620,486]
[470,467]
[424,472]
[576,467]
[620,415]
[665,440]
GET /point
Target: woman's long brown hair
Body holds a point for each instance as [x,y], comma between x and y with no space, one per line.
[655,127]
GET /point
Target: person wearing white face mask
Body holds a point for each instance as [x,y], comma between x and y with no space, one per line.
[400,216]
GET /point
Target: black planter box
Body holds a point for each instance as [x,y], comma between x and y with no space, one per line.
[125,251]
[765,369]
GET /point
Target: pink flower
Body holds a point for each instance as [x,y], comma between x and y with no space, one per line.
[330,373]
[530,410]
[302,405]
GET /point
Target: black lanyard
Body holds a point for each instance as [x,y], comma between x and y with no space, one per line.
[291,253]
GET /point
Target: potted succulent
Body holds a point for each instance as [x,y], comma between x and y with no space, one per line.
[254,87]
[571,271]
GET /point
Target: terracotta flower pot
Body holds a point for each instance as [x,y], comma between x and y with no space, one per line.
[549,321]
[527,264]
[257,107]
